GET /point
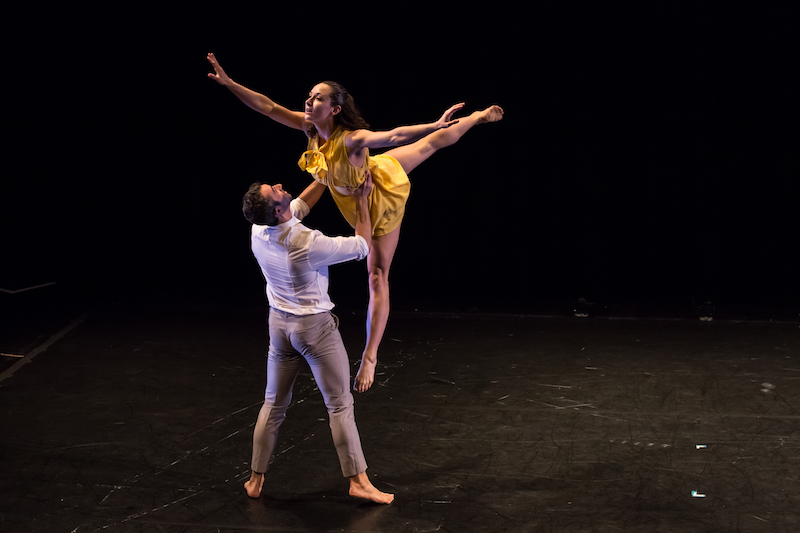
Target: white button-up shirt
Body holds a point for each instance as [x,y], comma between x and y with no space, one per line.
[295,259]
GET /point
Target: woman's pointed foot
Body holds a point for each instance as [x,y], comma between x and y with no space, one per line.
[491,114]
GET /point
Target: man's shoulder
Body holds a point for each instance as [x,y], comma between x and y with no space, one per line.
[299,208]
[285,233]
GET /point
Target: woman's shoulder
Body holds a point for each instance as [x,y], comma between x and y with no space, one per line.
[339,137]
[342,132]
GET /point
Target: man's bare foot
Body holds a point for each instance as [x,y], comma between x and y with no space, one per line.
[360,487]
[366,374]
[491,114]
[254,484]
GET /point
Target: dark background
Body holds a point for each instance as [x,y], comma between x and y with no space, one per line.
[648,155]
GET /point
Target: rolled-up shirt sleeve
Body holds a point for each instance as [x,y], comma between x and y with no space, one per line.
[325,250]
[299,208]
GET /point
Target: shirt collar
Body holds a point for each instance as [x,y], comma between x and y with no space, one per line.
[288,224]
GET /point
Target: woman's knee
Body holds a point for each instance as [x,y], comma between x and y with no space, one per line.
[378,279]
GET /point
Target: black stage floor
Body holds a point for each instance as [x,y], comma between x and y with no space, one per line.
[138,417]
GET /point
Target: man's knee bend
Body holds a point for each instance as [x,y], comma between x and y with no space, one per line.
[339,402]
[341,414]
[273,410]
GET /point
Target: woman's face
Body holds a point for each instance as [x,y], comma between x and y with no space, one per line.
[318,106]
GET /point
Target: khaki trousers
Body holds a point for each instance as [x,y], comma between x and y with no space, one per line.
[316,339]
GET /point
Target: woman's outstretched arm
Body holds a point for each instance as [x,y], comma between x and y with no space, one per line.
[400,135]
[256,101]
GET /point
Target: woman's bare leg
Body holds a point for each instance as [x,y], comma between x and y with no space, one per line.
[378,262]
[410,156]
[383,247]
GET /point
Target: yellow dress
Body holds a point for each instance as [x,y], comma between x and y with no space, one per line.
[329,165]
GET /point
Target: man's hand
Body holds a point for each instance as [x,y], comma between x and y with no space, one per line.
[365,188]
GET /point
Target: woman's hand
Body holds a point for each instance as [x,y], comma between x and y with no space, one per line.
[445,121]
[218,75]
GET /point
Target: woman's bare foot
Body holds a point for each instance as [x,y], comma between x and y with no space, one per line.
[360,487]
[366,373]
[254,484]
[491,114]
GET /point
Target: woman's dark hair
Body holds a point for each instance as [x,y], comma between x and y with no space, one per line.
[349,117]
[256,208]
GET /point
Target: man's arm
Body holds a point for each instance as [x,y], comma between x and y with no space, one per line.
[312,193]
[363,222]
[332,250]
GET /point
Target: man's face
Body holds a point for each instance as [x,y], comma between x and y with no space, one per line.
[276,193]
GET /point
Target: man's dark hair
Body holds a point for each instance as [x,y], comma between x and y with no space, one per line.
[256,208]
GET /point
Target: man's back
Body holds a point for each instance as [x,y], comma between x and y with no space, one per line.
[294,260]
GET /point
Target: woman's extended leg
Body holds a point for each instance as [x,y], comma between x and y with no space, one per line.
[411,155]
[378,262]
[383,247]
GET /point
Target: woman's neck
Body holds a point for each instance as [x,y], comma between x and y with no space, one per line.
[325,130]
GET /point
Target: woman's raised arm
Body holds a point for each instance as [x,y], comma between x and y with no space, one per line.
[256,101]
[400,135]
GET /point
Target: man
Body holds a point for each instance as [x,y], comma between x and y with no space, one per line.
[294,261]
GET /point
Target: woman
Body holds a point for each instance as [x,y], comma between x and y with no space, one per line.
[338,156]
